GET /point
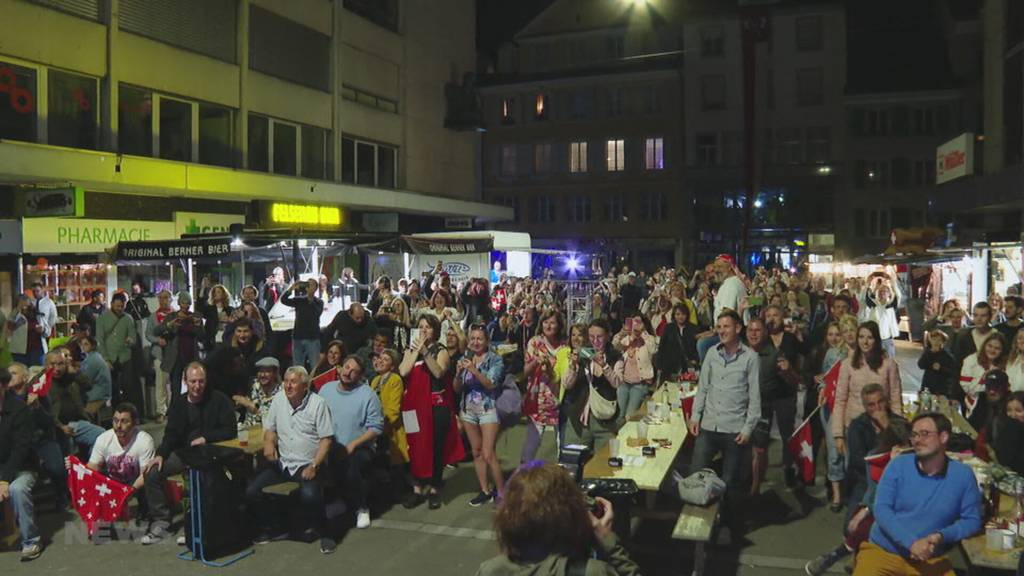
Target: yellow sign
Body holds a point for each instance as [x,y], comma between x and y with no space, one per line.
[305,214]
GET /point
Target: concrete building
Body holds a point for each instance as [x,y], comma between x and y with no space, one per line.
[193,115]
[654,94]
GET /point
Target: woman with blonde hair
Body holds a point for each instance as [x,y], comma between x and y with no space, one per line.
[991,355]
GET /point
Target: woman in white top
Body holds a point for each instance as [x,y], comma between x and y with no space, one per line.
[972,374]
[1015,367]
[881,303]
[439,309]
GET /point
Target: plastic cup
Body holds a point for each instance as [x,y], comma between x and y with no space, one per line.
[651,408]
[994,539]
[613,448]
[641,430]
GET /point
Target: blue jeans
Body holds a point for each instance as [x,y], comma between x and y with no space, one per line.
[705,344]
[889,345]
[52,458]
[736,462]
[24,507]
[836,462]
[631,398]
[305,353]
[85,434]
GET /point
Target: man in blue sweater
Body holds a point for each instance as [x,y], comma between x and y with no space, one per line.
[924,505]
[358,420]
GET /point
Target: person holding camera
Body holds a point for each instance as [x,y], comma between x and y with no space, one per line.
[558,537]
[306,333]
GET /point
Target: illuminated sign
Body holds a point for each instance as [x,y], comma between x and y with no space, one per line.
[310,215]
[955,159]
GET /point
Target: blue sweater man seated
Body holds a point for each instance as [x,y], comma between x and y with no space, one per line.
[924,505]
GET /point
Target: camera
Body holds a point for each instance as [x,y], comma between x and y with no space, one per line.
[302,289]
[574,458]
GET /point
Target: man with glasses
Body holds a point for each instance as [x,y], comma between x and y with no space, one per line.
[924,505]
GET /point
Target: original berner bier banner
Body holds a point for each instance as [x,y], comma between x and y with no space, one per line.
[167,249]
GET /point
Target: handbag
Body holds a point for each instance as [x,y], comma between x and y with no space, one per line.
[601,407]
[509,402]
[700,488]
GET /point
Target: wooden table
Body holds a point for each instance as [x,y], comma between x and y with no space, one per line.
[255,436]
[652,473]
[978,556]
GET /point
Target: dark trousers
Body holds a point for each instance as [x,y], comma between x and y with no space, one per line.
[350,471]
[735,464]
[311,497]
[156,497]
[52,458]
[442,422]
[784,411]
[126,385]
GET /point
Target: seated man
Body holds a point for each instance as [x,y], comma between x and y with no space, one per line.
[95,368]
[66,402]
[357,420]
[124,451]
[297,436]
[200,416]
[268,382]
[15,480]
[44,435]
[924,505]
[861,439]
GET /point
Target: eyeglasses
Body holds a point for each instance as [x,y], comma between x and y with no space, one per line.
[922,434]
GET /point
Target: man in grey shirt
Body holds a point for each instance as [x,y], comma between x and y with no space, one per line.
[297,436]
[726,409]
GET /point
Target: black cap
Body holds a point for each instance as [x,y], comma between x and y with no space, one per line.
[997,380]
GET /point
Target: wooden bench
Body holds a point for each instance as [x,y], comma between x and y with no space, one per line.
[9,535]
[281,489]
[696,524]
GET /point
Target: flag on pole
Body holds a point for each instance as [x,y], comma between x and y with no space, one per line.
[96,497]
[831,381]
[801,446]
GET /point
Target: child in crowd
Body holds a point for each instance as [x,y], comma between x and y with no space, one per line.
[938,364]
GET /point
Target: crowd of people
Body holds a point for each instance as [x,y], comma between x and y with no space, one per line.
[407,379]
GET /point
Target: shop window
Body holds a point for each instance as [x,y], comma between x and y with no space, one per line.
[175,130]
[135,121]
[216,135]
[17,102]
[285,149]
[259,143]
[314,153]
[385,167]
[348,160]
[365,161]
[72,111]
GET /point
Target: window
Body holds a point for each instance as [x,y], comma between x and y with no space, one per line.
[18,103]
[512,202]
[577,157]
[381,12]
[259,143]
[508,159]
[788,146]
[654,207]
[365,98]
[923,122]
[900,121]
[386,156]
[654,154]
[615,208]
[540,107]
[712,92]
[542,158]
[175,130]
[286,147]
[707,149]
[366,163]
[901,173]
[924,173]
[819,149]
[810,87]
[616,155]
[286,49]
[808,33]
[545,209]
[615,97]
[348,160]
[216,135]
[73,113]
[135,121]
[712,43]
[579,208]
[508,107]
[314,153]
[581,102]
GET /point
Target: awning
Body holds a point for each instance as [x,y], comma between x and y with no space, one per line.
[946,255]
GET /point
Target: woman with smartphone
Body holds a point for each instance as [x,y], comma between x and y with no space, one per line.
[540,404]
[638,345]
[428,411]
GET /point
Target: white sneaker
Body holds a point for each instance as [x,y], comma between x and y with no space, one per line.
[181,540]
[363,518]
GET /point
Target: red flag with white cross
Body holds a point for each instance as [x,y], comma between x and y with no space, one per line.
[801,446]
[96,497]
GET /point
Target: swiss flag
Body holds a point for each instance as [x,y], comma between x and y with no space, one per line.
[96,497]
[800,446]
[831,380]
[44,381]
[324,379]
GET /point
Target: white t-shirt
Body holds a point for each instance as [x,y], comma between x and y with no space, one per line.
[122,463]
[729,295]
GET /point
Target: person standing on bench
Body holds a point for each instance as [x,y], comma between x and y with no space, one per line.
[924,505]
[725,411]
[201,416]
[297,436]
